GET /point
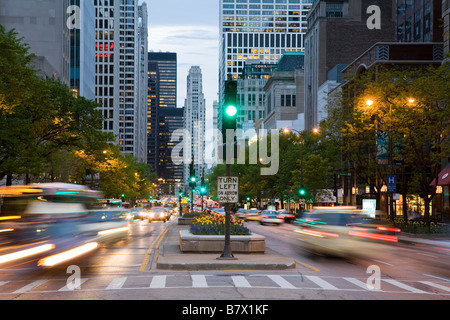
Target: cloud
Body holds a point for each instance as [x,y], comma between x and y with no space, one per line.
[195,45]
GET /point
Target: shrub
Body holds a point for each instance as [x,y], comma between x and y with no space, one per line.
[215,225]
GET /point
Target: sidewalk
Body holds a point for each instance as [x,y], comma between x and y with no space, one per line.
[170,257]
[439,242]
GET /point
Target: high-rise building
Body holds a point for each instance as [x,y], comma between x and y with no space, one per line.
[258,29]
[82,46]
[338,32]
[419,21]
[121,72]
[162,93]
[169,173]
[43,25]
[194,124]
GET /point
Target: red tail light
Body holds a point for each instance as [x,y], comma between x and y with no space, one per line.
[265,217]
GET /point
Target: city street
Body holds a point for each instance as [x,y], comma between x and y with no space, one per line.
[127,270]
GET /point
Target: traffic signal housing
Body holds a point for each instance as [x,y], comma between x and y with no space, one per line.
[302,192]
[192,177]
[230,108]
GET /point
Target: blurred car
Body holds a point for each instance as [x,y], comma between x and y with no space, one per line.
[158,214]
[137,213]
[288,216]
[240,213]
[271,217]
[341,233]
[252,215]
[220,211]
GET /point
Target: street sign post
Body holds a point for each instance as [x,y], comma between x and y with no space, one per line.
[227,193]
[228,189]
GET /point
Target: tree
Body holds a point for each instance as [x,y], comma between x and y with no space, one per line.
[410,106]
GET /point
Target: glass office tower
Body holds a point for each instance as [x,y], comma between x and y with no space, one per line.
[258,30]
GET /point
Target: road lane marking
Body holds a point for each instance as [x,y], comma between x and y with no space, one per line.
[314,269]
[158,282]
[116,283]
[279,280]
[30,286]
[321,283]
[155,244]
[403,286]
[432,284]
[199,281]
[240,282]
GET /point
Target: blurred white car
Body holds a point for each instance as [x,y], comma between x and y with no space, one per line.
[342,233]
[271,217]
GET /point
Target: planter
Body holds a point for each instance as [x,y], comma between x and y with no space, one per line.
[189,242]
[185,221]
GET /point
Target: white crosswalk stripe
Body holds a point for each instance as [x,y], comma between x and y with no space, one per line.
[403,286]
[116,283]
[30,286]
[255,281]
[321,283]
[158,282]
[199,281]
[240,282]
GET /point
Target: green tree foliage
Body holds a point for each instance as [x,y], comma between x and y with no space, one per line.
[410,106]
[49,135]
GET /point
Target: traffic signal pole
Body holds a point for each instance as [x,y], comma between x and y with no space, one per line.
[227,254]
[229,117]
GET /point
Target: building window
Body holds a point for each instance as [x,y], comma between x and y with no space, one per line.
[335,10]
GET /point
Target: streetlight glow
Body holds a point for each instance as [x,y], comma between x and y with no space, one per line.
[369,102]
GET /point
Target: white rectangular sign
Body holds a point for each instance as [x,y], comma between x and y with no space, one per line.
[228,189]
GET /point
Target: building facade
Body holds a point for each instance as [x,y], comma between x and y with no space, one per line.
[419,20]
[121,35]
[194,125]
[161,93]
[43,25]
[258,29]
[250,93]
[170,174]
[82,45]
[284,94]
[446,21]
[338,32]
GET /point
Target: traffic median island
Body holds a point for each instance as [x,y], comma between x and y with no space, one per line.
[250,252]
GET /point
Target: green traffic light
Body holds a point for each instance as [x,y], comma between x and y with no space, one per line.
[302,192]
[231,111]
[193,179]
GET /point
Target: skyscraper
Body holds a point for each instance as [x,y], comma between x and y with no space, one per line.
[162,93]
[43,25]
[258,29]
[337,34]
[82,45]
[121,72]
[194,124]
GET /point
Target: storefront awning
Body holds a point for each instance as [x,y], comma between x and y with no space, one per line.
[443,178]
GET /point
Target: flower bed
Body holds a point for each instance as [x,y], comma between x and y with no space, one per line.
[206,234]
[215,225]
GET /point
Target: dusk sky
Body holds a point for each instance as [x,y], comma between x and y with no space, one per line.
[189,28]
